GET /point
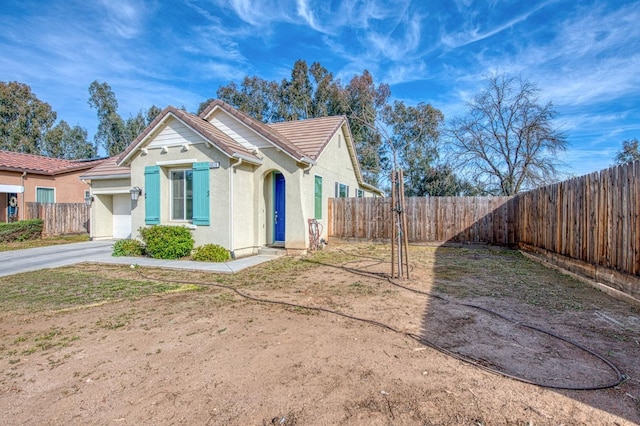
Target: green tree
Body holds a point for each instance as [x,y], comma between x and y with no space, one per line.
[114,132]
[297,93]
[63,141]
[152,113]
[440,181]
[629,152]
[362,102]
[111,133]
[411,135]
[507,141]
[312,92]
[24,119]
[256,97]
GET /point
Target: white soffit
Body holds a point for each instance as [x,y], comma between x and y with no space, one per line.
[12,188]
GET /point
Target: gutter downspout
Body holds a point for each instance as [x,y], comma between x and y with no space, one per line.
[24,174]
[231,209]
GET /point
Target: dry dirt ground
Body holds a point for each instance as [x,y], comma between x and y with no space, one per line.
[213,357]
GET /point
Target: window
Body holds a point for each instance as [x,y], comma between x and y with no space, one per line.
[342,190]
[45,195]
[359,193]
[317,207]
[181,194]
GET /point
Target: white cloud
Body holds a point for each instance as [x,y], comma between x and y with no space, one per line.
[472,32]
[124,16]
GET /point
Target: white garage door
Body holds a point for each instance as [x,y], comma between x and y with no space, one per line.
[121,216]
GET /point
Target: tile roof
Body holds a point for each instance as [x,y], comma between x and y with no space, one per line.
[109,169]
[37,164]
[263,129]
[310,135]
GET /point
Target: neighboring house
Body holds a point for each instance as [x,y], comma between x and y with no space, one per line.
[232,180]
[34,178]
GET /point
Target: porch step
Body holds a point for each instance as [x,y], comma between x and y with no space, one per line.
[272,251]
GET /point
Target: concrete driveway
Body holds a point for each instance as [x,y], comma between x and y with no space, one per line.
[17,261]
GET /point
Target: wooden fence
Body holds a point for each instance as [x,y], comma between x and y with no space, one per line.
[590,224]
[469,219]
[60,218]
[593,218]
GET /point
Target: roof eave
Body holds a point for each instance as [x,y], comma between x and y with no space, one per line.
[246,158]
[106,177]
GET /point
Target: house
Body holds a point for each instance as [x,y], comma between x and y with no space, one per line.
[34,178]
[234,181]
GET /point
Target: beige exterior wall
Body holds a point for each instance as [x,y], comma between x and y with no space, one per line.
[242,193]
[177,158]
[334,165]
[68,188]
[102,206]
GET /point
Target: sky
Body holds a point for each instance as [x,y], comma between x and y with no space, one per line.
[584,56]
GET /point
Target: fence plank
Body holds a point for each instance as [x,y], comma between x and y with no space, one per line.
[593,218]
[60,218]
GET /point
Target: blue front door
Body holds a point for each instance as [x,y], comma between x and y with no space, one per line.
[279,207]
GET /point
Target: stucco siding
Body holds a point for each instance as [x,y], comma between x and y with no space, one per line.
[102,217]
[244,210]
[334,165]
[176,158]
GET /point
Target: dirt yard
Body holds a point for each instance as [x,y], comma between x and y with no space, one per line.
[213,357]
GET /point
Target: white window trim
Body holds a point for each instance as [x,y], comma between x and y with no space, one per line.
[322,203]
[337,189]
[176,162]
[171,218]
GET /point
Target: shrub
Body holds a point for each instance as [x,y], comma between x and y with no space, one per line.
[21,231]
[210,253]
[128,248]
[167,242]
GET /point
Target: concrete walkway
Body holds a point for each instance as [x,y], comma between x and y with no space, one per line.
[17,261]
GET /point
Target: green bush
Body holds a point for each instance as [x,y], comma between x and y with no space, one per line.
[167,242]
[21,231]
[210,253]
[128,248]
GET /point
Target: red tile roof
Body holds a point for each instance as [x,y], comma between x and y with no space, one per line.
[263,129]
[37,164]
[311,135]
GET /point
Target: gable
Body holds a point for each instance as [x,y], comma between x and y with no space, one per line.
[174,127]
[246,137]
[174,133]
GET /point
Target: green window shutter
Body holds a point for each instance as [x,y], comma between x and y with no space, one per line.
[318,197]
[152,195]
[201,201]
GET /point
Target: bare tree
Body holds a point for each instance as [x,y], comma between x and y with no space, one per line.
[507,142]
[629,152]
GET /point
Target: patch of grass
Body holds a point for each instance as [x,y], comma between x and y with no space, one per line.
[301,310]
[44,242]
[502,273]
[361,288]
[225,297]
[116,322]
[63,288]
[55,337]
